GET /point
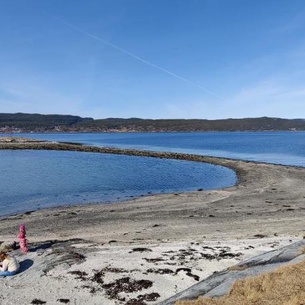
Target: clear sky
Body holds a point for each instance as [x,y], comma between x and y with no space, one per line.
[204,59]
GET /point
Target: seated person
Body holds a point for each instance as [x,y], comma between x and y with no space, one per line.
[9,265]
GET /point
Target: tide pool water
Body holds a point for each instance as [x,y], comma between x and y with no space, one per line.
[33,179]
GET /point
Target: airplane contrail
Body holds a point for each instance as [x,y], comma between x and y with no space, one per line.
[136,57]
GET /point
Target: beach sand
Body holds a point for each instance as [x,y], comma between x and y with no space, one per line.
[147,249]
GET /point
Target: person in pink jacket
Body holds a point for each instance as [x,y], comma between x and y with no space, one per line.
[23,242]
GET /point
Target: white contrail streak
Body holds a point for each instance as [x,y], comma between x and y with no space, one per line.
[136,57]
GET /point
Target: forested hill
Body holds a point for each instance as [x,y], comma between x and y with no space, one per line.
[21,122]
[38,122]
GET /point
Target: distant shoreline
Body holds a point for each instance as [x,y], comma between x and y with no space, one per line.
[25,122]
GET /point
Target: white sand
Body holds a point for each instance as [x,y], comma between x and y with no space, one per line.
[59,285]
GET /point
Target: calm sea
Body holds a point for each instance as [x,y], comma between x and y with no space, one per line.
[38,179]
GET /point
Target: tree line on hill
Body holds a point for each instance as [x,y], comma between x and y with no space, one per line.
[22,122]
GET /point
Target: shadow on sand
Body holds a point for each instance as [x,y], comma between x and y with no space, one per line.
[25,265]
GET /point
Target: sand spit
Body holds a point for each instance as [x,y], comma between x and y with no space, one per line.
[178,237]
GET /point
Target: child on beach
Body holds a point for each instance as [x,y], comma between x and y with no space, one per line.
[9,265]
[23,242]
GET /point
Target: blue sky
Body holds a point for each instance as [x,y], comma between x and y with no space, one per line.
[205,59]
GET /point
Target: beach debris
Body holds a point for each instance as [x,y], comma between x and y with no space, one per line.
[183,256]
[122,285]
[160,271]
[159,259]
[81,275]
[224,254]
[188,273]
[115,270]
[259,235]
[98,277]
[28,213]
[126,285]
[207,247]
[38,302]
[140,250]
[135,302]
[150,297]
[65,301]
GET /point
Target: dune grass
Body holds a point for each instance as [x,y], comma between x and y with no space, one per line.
[283,286]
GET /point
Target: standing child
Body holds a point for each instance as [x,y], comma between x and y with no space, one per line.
[23,242]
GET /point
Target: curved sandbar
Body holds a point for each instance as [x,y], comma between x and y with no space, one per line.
[20,143]
[269,199]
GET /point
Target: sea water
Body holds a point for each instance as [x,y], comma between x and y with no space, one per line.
[38,179]
[34,179]
[287,148]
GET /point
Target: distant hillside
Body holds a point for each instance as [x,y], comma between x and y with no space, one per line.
[38,122]
[20,122]
[249,124]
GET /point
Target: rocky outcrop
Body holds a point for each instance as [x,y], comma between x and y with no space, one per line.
[8,246]
[220,283]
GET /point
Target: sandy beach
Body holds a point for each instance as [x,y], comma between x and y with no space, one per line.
[147,249]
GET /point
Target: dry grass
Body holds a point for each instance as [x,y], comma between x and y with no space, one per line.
[283,286]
